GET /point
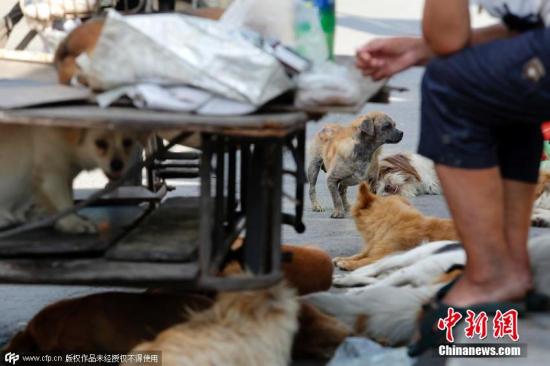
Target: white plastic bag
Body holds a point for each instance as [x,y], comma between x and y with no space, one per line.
[329,84]
[173,49]
[274,19]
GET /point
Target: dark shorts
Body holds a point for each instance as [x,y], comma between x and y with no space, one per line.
[483,106]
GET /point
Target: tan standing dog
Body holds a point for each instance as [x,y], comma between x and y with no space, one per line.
[390,224]
[346,153]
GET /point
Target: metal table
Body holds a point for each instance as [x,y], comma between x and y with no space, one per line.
[243,153]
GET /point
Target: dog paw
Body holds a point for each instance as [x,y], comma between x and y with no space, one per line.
[345,265]
[539,222]
[351,281]
[74,224]
[317,208]
[337,214]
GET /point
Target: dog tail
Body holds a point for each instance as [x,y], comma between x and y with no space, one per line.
[81,39]
[364,198]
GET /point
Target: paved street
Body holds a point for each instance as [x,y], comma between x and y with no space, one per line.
[358,21]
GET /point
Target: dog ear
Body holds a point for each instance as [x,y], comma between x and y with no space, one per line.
[404,200]
[144,137]
[75,136]
[367,127]
[364,197]
[326,133]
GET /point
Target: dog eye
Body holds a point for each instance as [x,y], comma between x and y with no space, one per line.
[391,189]
[101,144]
[386,126]
[127,143]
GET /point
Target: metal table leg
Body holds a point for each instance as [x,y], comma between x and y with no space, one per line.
[247,196]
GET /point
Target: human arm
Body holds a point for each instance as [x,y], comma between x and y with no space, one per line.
[384,57]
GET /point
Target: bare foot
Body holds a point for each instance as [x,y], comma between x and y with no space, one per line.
[506,285]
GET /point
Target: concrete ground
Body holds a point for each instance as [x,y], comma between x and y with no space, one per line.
[358,21]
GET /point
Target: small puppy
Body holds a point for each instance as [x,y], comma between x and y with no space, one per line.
[406,174]
[38,165]
[241,328]
[346,153]
[391,224]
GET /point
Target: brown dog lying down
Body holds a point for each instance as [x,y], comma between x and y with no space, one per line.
[105,322]
[84,38]
[309,269]
[390,224]
[117,322]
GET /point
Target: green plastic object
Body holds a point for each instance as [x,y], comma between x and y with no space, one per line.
[327,13]
[546,149]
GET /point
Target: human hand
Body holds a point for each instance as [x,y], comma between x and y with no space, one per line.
[384,57]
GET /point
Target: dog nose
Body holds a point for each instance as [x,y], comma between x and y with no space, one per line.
[116,165]
[398,135]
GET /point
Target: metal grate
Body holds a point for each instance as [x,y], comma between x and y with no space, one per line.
[48,11]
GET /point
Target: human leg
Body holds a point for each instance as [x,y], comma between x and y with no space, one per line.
[519,152]
[465,101]
[476,201]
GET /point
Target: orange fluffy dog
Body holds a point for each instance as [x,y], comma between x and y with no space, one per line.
[249,328]
[390,224]
[242,328]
